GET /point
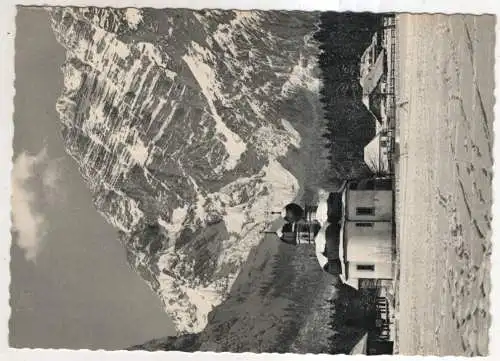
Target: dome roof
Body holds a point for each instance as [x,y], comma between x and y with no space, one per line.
[293,212]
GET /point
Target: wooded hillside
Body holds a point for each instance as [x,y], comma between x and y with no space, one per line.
[343,38]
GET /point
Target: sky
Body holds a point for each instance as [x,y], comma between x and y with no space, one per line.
[71,286]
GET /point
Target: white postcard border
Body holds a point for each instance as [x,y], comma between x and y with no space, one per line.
[7,33]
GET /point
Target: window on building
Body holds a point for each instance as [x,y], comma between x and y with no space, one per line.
[365,211]
[364,224]
[365,267]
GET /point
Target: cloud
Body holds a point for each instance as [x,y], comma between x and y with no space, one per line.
[34,178]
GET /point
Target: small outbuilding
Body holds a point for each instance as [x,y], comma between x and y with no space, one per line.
[376,153]
[372,79]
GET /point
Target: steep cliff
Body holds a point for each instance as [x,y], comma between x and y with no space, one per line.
[181,122]
[281,302]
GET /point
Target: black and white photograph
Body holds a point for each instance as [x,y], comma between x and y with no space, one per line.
[262,181]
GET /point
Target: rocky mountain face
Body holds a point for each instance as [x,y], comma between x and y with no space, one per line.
[281,302]
[272,307]
[187,127]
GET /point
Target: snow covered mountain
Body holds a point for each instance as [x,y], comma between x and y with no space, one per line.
[181,122]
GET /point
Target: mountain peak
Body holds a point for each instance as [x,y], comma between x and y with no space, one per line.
[181,135]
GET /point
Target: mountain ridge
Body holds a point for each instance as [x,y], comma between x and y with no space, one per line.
[182,152]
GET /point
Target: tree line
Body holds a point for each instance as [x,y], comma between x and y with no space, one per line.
[343,37]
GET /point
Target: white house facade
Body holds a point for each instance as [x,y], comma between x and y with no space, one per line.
[366,245]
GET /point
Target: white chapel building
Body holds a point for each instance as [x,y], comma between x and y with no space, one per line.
[366,234]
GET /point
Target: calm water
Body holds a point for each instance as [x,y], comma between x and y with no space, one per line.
[80,292]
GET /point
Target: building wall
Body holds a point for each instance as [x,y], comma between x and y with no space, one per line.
[372,154]
[381,270]
[368,242]
[376,153]
[369,205]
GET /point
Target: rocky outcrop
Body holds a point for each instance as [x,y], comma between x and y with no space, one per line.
[180,122]
[273,307]
[281,302]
